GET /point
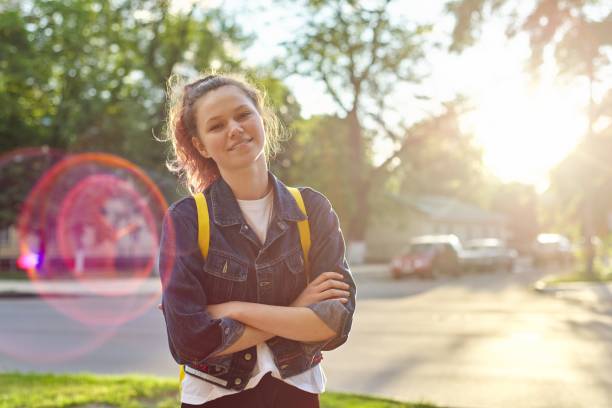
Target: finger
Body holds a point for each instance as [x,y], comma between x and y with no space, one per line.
[332,283]
[327,275]
[334,293]
[338,285]
[340,299]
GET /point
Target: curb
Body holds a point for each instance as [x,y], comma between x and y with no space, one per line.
[593,294]
[19,289]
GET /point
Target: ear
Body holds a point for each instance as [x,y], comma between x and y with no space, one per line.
[197,143]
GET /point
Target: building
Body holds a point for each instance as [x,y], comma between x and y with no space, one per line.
[424,215]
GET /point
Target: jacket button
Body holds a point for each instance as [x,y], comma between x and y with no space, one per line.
[227,330]
[248,356]
[237,381]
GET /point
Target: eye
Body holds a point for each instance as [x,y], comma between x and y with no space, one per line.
[244,115]
[215,127]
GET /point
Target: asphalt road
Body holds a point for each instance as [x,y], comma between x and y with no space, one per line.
[484,340]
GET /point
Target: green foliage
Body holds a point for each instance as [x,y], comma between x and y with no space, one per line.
[469,17]
[442,160]
[317,156]
[360,53]
[579,31]
[356,51]
[84,75]
[582,179]
[20,170]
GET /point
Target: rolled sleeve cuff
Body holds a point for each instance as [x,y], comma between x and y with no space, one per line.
[334,315]
[231,331]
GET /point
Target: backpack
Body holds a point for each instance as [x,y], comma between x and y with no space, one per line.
[204,236]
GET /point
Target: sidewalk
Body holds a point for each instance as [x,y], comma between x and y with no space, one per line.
[594,294]
[118,286]
[74,287]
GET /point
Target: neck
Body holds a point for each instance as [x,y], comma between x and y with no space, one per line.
[250,183]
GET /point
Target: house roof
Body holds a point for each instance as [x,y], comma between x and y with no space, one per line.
[448,209]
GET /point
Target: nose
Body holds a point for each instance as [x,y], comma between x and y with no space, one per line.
[235,129]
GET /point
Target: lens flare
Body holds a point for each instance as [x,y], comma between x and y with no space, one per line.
[89,224]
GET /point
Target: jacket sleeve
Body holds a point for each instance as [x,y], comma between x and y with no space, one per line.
[193,335]
[327,253]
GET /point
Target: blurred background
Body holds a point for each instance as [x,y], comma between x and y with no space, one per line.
[465,145]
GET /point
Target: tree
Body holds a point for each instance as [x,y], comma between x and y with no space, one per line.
[439,160]
[85,75]
[585,174]
[312,158]
[442,160]
[580,34]
[519,203]
[360,53]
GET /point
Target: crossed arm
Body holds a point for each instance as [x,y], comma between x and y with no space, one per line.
[324,307]
[295,322]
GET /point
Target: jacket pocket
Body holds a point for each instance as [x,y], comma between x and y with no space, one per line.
[225,278]
[294,275]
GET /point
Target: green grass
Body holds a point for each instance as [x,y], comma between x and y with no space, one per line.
[130,391]
[341,400]
[14,275]
[82,390]
[580,275]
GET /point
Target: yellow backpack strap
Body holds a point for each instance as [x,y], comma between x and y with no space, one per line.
[203,243]
[203,224]
[303,228]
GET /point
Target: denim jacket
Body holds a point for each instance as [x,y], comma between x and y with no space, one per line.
[240,268]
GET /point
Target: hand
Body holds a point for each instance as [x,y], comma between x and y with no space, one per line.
[328,285]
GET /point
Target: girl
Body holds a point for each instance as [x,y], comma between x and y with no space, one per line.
[245,322]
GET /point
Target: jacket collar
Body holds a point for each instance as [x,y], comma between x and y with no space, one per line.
[226,211]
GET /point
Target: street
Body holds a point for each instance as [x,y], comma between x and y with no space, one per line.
[481,340]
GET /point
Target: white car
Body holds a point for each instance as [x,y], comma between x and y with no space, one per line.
[553,248]
[488,254]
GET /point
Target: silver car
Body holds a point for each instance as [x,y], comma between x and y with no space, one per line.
[488,254]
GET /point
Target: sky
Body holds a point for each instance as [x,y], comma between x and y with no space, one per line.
[523,128]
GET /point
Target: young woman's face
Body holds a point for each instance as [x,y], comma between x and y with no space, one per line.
[230,129]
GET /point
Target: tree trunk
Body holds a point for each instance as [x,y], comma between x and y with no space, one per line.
[359,185]
[589,250]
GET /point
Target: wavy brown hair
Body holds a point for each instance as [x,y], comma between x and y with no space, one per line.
[195,171]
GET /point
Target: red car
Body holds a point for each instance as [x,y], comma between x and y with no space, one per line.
[417,261]
[428,256]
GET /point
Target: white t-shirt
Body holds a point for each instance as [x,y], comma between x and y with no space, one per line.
[195,391]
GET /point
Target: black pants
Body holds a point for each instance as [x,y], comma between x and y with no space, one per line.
[269,393]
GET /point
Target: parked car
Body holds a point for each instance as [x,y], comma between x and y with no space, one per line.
[552,248]
[428,256]
[488,254]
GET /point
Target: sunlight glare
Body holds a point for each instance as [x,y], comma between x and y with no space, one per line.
[525,131]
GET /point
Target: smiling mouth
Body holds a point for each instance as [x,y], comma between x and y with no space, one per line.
[234,147]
